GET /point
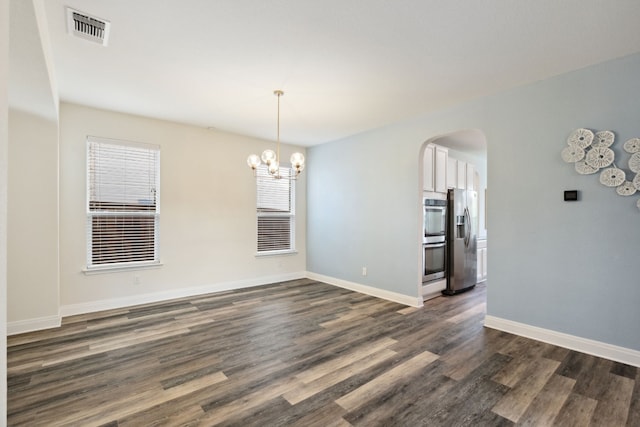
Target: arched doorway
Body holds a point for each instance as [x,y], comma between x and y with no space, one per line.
[454,160]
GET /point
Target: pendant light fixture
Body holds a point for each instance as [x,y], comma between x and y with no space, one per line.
[272,159]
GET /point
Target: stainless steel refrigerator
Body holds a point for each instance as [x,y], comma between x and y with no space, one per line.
[462,241]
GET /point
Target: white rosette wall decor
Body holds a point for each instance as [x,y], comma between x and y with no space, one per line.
[572,154]
[580,137]
[634,163]
[584,169]
[612,177]
[626,189]
[632,145]
[603,138]
[590,153]
[600,157]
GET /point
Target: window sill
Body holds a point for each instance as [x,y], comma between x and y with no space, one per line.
[276,253]
[121,267]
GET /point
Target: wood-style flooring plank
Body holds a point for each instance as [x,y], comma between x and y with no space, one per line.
[546,406]
[472,353]
[327,416]
[330,378]
[372,389]
[577,411]
[469,401]
[518,399]
[614,401]
[349,358]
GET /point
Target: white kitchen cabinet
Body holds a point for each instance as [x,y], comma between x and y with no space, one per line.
[482,260]
[435,168]
[476,182]
[462,175]
[429,176]
[471,174]
[452,173]
[440,169]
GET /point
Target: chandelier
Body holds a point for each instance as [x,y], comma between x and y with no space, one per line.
[272,159]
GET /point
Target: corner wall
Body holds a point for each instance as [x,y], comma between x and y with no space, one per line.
[564,267]
[207,213]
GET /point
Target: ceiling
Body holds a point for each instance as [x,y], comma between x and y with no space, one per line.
[345,66]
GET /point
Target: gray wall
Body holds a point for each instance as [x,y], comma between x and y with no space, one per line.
[568,267]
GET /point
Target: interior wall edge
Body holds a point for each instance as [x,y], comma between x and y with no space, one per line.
[4,140]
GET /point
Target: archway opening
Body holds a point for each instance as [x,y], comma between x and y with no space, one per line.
[456,160]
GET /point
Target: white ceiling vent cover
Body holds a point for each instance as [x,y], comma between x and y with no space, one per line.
[88,27]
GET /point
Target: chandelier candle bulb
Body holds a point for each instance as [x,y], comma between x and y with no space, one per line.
[253,161]
[297,161]
[268,156]
[273,168]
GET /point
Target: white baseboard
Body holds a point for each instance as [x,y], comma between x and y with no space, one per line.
[30,325]
[368,290]
[595,348]
[110,304]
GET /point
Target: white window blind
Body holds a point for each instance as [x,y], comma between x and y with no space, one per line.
[123,203]
[276,211]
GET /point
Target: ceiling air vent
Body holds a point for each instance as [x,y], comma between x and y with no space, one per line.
[88,27]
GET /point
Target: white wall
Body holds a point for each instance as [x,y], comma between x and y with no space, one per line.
[33,220]
[4,140]
[32,251]
[207,216]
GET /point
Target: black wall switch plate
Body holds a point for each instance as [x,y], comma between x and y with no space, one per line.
[571,196]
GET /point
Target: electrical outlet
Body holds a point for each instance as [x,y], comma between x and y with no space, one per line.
[364,271]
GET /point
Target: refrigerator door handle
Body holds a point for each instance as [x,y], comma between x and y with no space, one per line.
[467,227]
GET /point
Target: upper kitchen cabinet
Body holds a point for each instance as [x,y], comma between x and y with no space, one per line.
[442,156]
[471,175]
[456,173]
[428,161]
[435,168]
[452,173]
[461,175]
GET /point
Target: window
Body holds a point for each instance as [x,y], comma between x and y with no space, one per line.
[123,203]
[276,211]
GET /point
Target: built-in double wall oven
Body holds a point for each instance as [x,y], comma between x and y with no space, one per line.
[434,243]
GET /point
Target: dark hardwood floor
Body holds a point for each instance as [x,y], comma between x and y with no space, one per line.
[305,353]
